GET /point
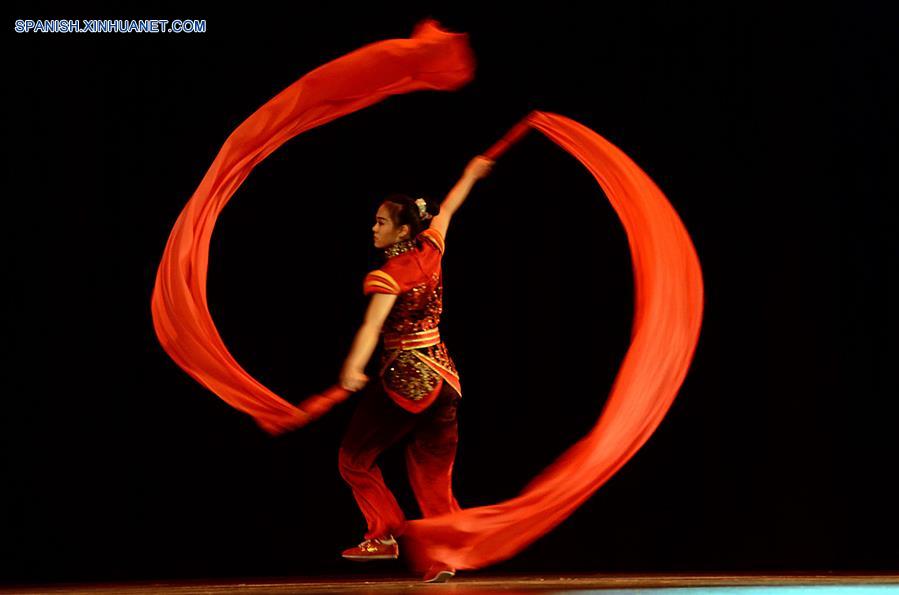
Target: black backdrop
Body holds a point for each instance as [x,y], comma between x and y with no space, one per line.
[769,133]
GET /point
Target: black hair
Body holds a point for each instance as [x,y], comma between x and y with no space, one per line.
[404,211]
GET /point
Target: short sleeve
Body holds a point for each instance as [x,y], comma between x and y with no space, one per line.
[398,275]
[379,281]
[434,238]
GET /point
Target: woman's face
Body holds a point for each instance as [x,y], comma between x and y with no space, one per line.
[385,232]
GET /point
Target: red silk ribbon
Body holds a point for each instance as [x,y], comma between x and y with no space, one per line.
[431,59]
[667,318]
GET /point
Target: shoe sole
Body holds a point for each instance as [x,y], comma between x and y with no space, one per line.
[363,558]
[442,577]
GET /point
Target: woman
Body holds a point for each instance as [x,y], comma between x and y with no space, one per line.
[418,389]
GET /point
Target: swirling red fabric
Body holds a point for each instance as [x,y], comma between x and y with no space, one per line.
[667,318]
[667,281]
[431,59]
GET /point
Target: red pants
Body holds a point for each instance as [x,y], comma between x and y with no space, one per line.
[378,423]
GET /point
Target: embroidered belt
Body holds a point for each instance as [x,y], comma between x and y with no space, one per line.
[412,340]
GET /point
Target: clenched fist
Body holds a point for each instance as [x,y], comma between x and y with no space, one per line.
[479,167]
[352,380]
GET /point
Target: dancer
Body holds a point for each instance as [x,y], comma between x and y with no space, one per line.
[418,389]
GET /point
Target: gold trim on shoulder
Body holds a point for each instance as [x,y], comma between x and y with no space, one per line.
[378,279]
[433,236]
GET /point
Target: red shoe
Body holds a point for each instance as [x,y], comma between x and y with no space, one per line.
[439,573]
[374,549]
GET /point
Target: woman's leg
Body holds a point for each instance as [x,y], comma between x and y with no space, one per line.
[376,424]
[431,452]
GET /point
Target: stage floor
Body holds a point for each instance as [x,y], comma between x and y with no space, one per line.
[811,584]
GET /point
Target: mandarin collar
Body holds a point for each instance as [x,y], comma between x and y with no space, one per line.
[398,248]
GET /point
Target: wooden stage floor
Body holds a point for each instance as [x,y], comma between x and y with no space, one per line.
[810,584]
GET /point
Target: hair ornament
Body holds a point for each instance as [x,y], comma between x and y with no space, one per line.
[423,213]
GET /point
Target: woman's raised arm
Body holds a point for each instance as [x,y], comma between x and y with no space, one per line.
[476,169]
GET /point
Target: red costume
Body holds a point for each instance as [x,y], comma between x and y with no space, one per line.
[415,362]
[417,392]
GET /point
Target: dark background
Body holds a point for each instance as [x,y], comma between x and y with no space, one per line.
[769,133]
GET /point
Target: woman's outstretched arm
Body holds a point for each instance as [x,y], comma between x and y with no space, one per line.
[476,169]
[352,376]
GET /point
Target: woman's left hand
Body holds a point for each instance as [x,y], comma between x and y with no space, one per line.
[479,167]
[352,380]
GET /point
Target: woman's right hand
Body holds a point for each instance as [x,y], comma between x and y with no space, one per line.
[479,167]
[352,380]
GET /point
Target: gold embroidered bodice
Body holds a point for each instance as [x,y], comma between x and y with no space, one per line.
[415,373]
